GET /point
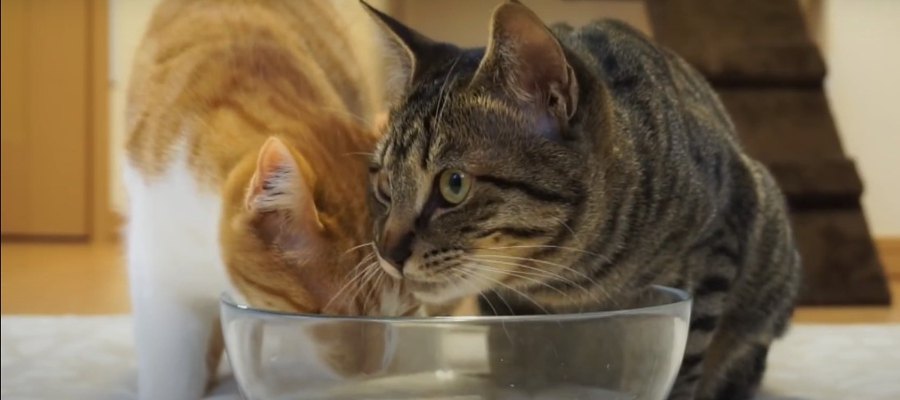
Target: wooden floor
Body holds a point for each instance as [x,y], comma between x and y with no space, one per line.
[63,279]
[91,279]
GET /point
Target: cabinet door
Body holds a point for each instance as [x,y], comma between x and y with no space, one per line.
[45,116]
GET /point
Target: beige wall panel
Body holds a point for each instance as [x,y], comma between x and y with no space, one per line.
[45,170]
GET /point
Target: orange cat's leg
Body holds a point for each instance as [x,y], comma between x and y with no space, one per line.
[176,277]
[214,354]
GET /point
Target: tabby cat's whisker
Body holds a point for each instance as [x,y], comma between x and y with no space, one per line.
[471,273]
[590,294]
[529,270]
[486,300]
[563,267]
[522,275]
[478,291]
[572,231]
[517,291]
[493,258]
[546,246]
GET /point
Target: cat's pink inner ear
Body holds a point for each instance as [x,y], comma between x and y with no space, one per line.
[278,184]
[525,54]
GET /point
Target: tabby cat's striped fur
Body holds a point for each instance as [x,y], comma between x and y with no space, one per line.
[601,164]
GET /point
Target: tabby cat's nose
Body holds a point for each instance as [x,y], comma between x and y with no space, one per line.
[396,247]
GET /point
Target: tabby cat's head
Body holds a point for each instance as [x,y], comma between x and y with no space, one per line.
[482,164]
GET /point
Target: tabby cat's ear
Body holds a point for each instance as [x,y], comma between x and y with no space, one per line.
[282,184]
[524,56]
[408,50]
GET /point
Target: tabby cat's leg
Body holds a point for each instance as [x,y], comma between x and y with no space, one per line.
[704,321]
[736,359]
[758,311]
[712,280]
[736,367]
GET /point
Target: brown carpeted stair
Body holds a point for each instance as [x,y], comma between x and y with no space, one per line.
[769,74]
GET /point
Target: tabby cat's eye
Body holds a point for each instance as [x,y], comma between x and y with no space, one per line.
[454,186]
[383,189]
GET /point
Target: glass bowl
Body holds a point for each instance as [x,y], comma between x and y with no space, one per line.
[623,354]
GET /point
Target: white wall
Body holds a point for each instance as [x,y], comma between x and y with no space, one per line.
[127,21]
[861,44]
[465,22]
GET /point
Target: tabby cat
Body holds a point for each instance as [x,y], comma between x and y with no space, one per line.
[246,170]
[568,170]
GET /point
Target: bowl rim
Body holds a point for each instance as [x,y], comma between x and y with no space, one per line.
[680,299]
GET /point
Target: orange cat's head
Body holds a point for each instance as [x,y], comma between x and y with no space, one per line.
[296,231]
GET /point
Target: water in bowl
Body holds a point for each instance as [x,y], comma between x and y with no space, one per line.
[629,355]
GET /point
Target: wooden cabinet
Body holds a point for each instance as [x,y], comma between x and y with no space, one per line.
[50,125]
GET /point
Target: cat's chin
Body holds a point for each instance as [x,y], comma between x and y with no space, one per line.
[433,293]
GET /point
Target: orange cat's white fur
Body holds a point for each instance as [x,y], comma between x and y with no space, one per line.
[246,171]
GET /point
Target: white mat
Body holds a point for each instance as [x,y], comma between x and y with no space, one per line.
[91,358]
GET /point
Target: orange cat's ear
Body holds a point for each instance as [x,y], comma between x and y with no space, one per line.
[282,183]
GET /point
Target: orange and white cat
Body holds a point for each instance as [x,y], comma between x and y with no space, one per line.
[246,171]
